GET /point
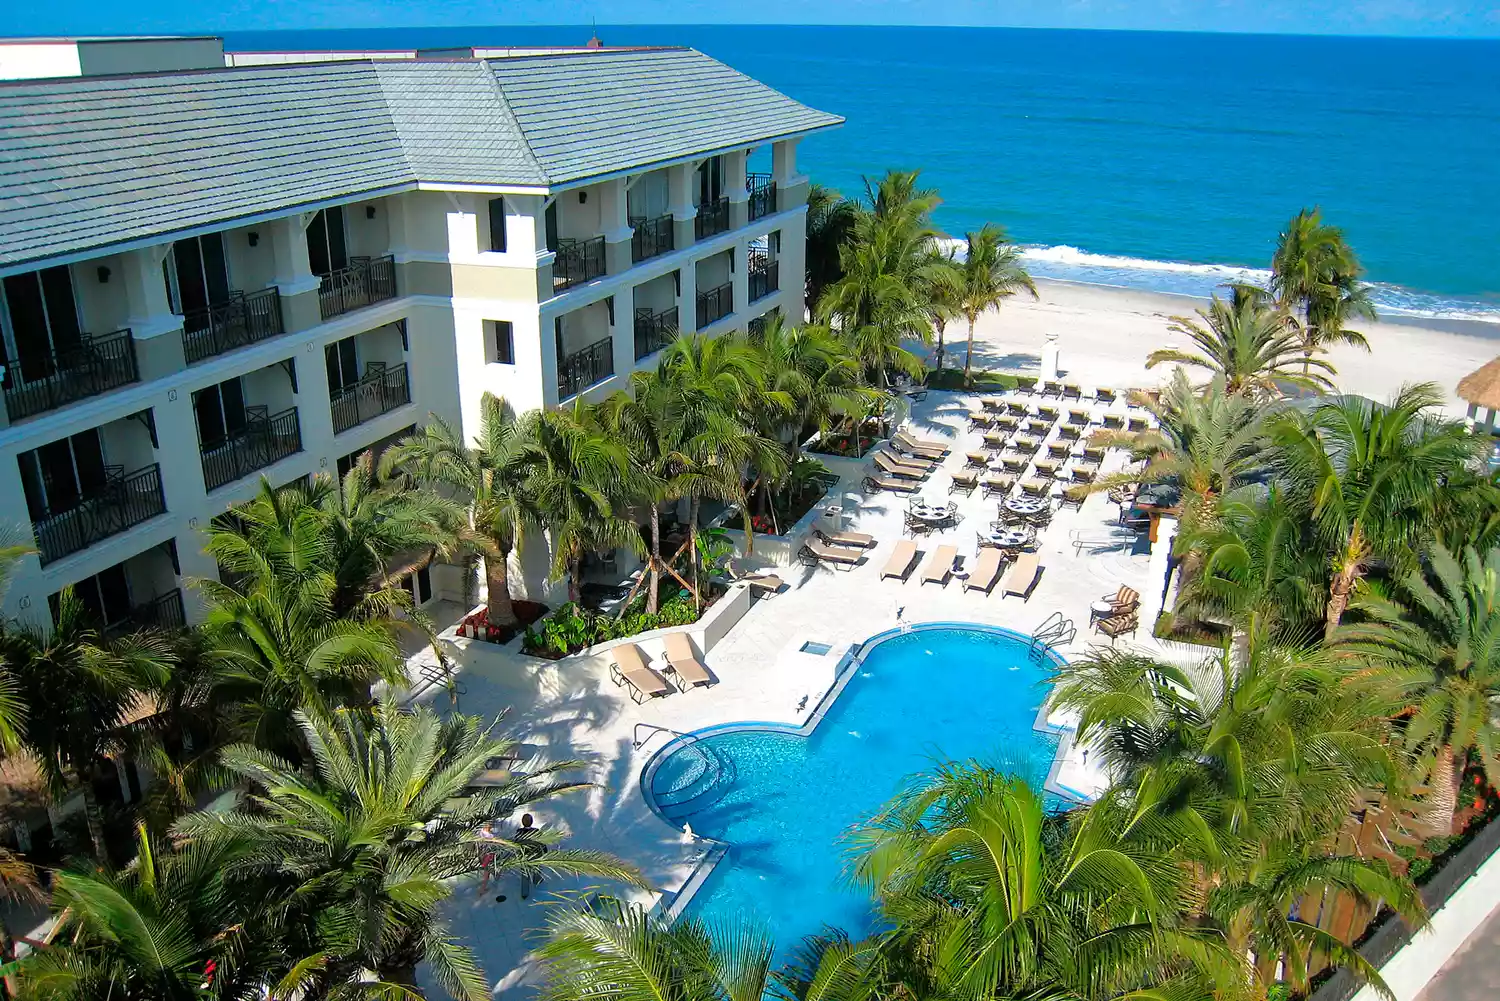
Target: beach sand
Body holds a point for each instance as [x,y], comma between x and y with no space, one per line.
[1105,334]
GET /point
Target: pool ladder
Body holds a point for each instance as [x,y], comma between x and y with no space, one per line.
[1055,631]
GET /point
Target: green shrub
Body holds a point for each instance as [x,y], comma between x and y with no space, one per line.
[571,628]
[953,378]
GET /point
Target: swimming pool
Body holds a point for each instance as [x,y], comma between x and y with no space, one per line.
[781,800]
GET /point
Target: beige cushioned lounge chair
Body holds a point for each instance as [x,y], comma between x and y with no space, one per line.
[683,662]
[986,571]
[939,565]
[1022,576]
[629,669]
[903,557]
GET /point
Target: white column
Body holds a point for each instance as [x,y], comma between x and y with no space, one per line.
[289,252]
[146,292]
[622,334]
[680,197]
[463,230]
[784,163]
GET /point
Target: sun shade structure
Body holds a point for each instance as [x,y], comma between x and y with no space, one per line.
[1480,389]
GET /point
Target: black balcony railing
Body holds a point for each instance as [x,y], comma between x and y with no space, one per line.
[265,438]
[652,238]
[239,320]
[765,276]
[584,367]
[96,365]
[654,331]
[366,280]
[713,218]
[120,503]
[762,195]
[715,304]
[163,613]
[379,392]
[577,261]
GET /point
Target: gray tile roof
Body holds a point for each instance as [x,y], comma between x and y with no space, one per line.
[93,162]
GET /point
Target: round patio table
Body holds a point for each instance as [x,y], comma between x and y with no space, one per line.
[1010,538]
[1026,505]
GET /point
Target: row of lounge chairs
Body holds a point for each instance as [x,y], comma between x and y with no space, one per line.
[629,669]
[986,571]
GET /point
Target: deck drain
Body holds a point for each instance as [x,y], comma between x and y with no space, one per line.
[816,649]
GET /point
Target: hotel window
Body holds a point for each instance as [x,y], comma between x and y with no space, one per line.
[220,411]
[196,274]
[710,180]
[106,596]
[342,361]
[497,225]
[502,341]
[327,251]
[40,317]
[419,585]
[59,475]
[549,218]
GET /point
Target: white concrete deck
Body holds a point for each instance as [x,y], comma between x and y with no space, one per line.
[575,712]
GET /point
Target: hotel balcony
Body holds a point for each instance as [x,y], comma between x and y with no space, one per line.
[366,281]
[583,368]
[714,304]
[762,195]
[40,381]
[576,262]
[651,238]
[712,219]
[140,592]
[234,323]
[654,330]
[264,439]
[383,389]
[122,501]
[764,275]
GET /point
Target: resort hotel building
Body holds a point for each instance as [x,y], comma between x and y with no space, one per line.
[215,273]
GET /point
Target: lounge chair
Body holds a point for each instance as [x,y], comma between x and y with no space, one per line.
[1007,423]
[965,480]
[914,461]
[1022,576]
[923,447]
[990,402]
[1116,626]
[1074,495]
[1093,454]
[1014,463]
[1047,468]
[1078,416]
[939,565]
[1035,488]
[683,662]
[1085,472]
[986,571]
[1048,414]
[1072,391]
[997,483]
[1026,383]
[628,668]
[872,484]
[1015,408]
[980,418]
[1137,425]
[1104,395]
[979,459]
[764,584]
[814,552]
[1114,422]
[1052,387]
[900,470]
[903,558]
[1059,450]
[858,540]
[1027,443]
[1037,427]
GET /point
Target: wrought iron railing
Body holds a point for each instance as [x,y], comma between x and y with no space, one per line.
[96,365]
[365,281]
[713,218]
[584,367]
[265,438]
[764,276]
[164,612]
[380,391]
[576,262]
[120,503]
[715,304]
[654,331]
[762,195]
[652,238]
[239,320]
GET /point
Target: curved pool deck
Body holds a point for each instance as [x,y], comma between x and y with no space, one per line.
[771,799]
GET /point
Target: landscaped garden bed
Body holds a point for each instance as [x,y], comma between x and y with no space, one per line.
[573,628]
[477,625]
[846,443]
[953,379]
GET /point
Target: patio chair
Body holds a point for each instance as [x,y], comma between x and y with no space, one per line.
[1124,600]
[1072,391]
[1059,450]
[763,584]
[1015,408]
[1078,417]
[1085,472]
[980,418]
[994,440]
[875,484]
[1074,496]
[1022,576]
[1114,422]
[1093,454]
[1052,387]
[838,537]
[683,662]
[1070,432]
[978,459]
[1026,444]
[628,670]
[1008,423]
[965,480]
[1026,383]
[990,403]
[1037,427]
[1035,488]
[1104,395]
[918,526]
[926,448]
[1048,414]
[997,483]
[1118,625]
[814,552]
[903,558]
[986,571]
[1013,463]
[1047,468]
[900,470]
[939,565]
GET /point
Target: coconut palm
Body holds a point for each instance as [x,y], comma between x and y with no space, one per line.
[809,378]
[1315,278]
[488,476]
[1246,340]
[82,692]
[355,854]
[1371,479]
[830,220]
[990,274]
[1436,643]
[943,304]
[645,421]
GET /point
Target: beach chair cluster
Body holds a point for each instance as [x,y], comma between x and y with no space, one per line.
[838,549]
[630,670]
[983,576]
[1122,615]
[904,463]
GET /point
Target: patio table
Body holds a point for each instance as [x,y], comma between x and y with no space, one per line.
[1026,505]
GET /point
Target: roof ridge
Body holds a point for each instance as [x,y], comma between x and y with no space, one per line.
[510,113]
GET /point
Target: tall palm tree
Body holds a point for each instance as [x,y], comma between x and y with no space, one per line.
[646,422]
[355,854]
[810,379]
[1248,342]
[489,476]
[1370,477]
[1435,642]
[990,274]
[82,691]
[1315,278]
[830,220]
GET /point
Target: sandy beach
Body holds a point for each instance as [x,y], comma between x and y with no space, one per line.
[1106,333]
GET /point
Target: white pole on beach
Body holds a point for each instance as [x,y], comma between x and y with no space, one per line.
[1051,355]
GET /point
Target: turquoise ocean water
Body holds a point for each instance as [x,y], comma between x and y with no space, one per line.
[1151,160]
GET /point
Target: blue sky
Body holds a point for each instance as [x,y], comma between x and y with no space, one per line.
[1474,18]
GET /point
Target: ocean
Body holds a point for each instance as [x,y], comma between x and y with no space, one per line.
[1150,160]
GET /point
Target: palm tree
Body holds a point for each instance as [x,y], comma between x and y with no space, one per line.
[355,854]
[620,953]
[830,220]
[1315,278]
[810,380]
[1435,642]
[1247,341]
[1371,478]
[489,475]
[82,691]
[646,422]
[991,273]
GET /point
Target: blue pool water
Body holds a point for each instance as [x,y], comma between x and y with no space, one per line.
[782,801]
